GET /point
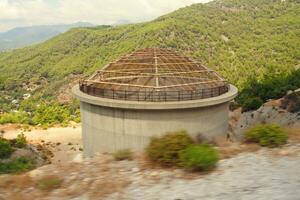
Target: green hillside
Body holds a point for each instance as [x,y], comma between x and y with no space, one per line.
[240,39]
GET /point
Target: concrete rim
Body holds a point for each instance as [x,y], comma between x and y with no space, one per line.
[139,105]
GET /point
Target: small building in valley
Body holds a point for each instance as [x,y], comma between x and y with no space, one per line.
[148,93]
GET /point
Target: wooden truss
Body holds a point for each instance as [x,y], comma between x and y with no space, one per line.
[157,70]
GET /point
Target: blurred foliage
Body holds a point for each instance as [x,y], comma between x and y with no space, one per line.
[45,114]
[18,165]
[270,135]
[49,183]
[165,150]
[125,154]
[271,87]
[245,41]
[199,157]
[5,149]
[21,140]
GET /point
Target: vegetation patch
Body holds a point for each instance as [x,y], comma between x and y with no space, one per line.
[165,150]
[5,148]
[43,114]
[257,92]
[49,183]
[21,141]
[17,156]
[18,165]
[125,154]
[199,157]
[252,103]
[267,135]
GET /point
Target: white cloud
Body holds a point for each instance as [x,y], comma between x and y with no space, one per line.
[34,12]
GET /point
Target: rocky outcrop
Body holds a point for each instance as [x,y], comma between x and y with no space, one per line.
[272,112]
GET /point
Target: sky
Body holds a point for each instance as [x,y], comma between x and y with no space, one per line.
[15,13]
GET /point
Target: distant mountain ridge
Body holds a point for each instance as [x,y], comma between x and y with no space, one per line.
[23,36]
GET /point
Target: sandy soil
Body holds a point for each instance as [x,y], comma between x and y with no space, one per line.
[64,142]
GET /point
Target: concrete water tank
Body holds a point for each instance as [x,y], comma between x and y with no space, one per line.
[148,93]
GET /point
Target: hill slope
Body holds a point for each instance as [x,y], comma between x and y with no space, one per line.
[241,39]
[22,36]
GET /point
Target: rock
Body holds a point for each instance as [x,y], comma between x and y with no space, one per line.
[21,153]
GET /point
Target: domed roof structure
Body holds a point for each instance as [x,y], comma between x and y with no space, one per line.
[155,75]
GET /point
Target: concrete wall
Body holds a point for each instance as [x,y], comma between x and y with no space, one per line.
[108,129]
[109,125]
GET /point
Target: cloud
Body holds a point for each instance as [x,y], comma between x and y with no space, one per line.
[35,12]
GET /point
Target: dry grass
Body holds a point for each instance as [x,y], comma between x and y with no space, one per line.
[49,183]
[106,187]
[125,154]
[229,149]
[294,133]
[11,182]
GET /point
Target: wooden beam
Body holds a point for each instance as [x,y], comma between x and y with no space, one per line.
[159,73]
[195,83]
[159,64]
[120,84]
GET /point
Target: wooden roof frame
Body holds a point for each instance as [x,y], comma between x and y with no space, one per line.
[155,69]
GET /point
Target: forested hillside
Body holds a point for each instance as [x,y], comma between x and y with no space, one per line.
[241,39]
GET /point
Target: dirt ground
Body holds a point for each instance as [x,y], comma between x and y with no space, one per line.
[64,142]
[245,171]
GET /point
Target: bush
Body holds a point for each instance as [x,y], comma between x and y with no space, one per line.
[14,118]
[21,141]
[125,154]
[199,157]
[270,87]
[166,149]
[267,135]
[18,165]
[5,148]
[252,104]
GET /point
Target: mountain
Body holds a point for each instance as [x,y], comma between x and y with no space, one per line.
[23,36]
[241,39]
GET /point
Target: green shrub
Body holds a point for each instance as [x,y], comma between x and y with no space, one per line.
[5,148]
[267,135]
[18,165]
[252,103]
[125,154]
[199,157]
[21,141]
[269,87]
[14,118]
[50,114]
[165,150]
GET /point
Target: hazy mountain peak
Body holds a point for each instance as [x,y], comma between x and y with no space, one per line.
[23,36]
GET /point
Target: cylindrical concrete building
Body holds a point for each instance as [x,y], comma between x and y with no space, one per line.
[149,93]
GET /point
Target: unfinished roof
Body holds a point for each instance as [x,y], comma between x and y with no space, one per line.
[155,75]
